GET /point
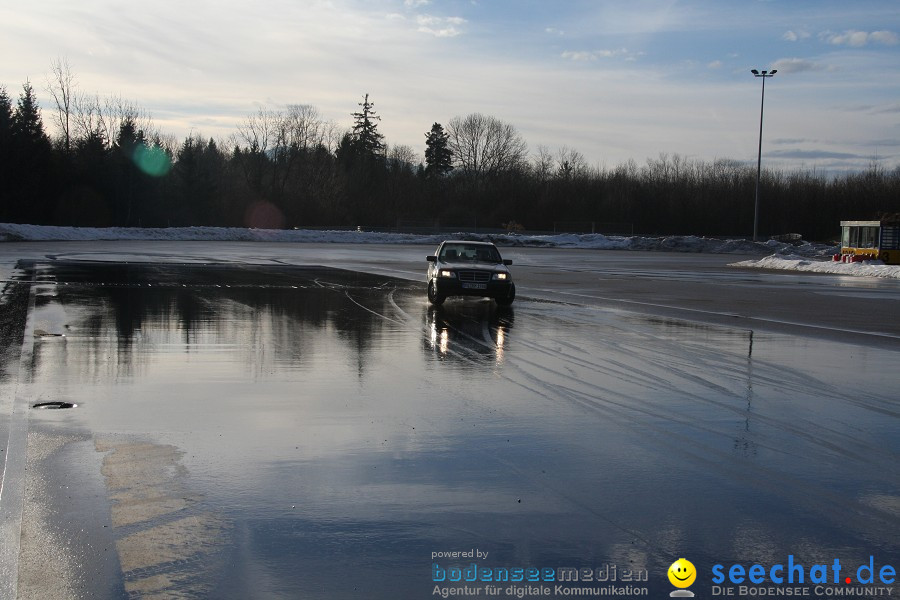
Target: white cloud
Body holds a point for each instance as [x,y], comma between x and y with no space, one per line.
[416,3]
[440,26]
[795,65]
[849,38]
[794,36]
[857,39]
[888,38]
[582,55]
[554,31]
[716,64]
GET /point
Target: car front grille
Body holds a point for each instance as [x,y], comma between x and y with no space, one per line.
[473,276]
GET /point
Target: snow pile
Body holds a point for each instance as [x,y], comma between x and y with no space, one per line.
[13,232]
[16,232]
[793,262]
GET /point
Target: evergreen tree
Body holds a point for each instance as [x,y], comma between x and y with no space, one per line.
[438,157]
[361,153]
[130,186]
[368,142]
[6,116]
[27,127]
[198,175]
[30,162]
[85,198]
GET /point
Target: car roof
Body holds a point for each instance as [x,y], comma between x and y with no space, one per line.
[468,242]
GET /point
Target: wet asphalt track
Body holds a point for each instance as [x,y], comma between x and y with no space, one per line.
[271,430]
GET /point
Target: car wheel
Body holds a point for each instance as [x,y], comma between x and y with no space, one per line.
[507,300]
[433,296]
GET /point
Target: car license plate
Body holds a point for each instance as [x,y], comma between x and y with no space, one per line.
[474,286]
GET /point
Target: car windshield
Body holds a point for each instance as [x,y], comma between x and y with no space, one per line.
[469,253]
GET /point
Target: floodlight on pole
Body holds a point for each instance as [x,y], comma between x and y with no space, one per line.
[763,75]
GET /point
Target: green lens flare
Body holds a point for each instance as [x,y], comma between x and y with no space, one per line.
[152,160]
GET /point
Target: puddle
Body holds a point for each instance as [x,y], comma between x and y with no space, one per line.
[346,431]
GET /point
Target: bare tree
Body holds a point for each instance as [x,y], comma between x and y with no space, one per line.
[257,132]
[283,140]
[88,119]
[570,163]
[543,164]
[117,110]
[484,146]
[296,133]
[401,157]
[61,86]
[332,134]
[255,135]
[303,128]
[275,132]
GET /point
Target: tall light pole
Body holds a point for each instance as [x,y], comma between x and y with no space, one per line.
[762,103]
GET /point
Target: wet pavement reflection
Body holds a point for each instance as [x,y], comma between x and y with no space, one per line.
[298,432]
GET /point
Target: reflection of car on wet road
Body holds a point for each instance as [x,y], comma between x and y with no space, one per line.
[469,269]
[473,333]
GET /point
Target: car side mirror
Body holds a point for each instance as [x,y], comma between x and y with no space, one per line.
[507,261]
[431,258]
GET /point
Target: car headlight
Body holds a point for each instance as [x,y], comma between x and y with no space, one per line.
[501,276]
[446,273]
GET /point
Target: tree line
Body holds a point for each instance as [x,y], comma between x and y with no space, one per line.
[108,165]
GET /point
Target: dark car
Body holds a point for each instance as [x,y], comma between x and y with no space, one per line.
[469,269]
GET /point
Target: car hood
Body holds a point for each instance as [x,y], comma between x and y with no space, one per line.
[474,266]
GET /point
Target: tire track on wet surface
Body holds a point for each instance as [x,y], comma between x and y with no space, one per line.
[586,416]
[670,366]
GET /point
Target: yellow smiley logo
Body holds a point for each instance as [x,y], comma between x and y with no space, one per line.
[682,573]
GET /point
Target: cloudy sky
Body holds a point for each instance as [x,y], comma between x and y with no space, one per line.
[613,79]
